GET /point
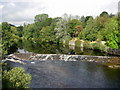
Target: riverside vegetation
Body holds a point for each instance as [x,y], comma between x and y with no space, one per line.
[14,77]
[87,32]
[46,30]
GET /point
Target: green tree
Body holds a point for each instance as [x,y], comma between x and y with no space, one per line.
[72,27]
[9,39]
[44,23]
[41,17]
[61,29]
[28,31]
[42,30]
[104,14]
[15,78]
[47,35]
[82,19]
[87,32]
[94,29]
[87,18]
[5,26]
[20,31]
[112,33]
[118,18]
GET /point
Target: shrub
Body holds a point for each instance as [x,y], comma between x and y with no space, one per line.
[95,46]
[15,78]
[66,39]
[78,43]
[87,45]
[98,46]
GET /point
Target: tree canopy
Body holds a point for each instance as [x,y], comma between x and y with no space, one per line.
[47,30]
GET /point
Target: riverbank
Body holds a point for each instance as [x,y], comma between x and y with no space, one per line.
[93,45]
[109,61]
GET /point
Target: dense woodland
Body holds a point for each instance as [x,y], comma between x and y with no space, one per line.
[46,30]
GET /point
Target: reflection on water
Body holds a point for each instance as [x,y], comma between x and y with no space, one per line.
[61,74]
[55,49]
[67,74]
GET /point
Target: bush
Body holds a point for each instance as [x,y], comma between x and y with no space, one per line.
[95,46]
[66,39]
[98,46]
[15,78]
[87,45]
[78,43]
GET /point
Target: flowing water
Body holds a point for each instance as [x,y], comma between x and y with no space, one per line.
[70,74]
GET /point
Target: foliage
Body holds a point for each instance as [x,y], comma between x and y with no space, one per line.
[46,30]
[54,30]
[102,28]
[44,23]
[104,14]
[118,18]
[47,35]
[92,31]
[20,31]
[42,30]
[87,18]
[82,19]
[41,17]
[87,33]
[78,43]
[15,78]
[65,40]
[9,39]
[72,27]
[87,45]
[29,31]
[95,46]
[61,29]
[112,33]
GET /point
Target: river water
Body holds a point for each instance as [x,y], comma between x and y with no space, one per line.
[70,74]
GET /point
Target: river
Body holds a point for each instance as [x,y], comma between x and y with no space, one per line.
[69,74]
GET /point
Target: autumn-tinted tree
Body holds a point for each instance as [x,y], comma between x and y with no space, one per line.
[72,25]
[79,29]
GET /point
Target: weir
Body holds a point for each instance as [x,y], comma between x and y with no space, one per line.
[62,70]
[43,57]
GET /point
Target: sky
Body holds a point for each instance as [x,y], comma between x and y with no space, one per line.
[18,12]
